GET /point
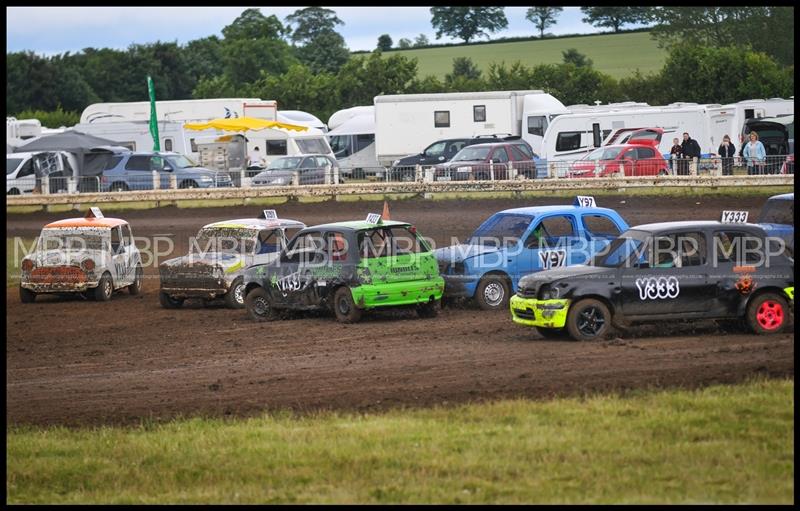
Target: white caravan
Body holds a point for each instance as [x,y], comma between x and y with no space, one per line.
[729,119]
[353,142]
[20,130]
[301,118]
[186,110]
[406,123]
[570,136]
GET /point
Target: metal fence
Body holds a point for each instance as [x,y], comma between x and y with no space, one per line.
[519,171]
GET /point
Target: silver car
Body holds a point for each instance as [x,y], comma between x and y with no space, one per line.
[299,170]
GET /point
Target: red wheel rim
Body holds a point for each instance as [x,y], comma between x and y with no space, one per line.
[770,315]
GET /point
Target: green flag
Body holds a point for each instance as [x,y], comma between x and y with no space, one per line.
[153,118]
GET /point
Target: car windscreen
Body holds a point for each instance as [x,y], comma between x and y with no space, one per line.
[181,162]
[12,164]
[314,145]
[503,229]
[226,239]
[472,154]
[285,163]
[778,212]
[603,153]
[620,251]
[74,239]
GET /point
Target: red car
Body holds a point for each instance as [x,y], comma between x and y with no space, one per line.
[638,157]
[473,162]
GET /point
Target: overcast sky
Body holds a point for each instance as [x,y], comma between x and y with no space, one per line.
[51,30]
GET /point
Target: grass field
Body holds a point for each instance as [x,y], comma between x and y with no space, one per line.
[615,54]
[723,444]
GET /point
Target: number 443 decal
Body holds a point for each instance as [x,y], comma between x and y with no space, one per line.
[658,287]
[552,258]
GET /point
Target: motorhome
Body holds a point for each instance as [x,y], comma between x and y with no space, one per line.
[186,110]
[406,123]
[353,142]
[730,119]
[571,136]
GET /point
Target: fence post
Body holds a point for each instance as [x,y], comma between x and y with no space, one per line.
[551,170]
[242,175]
[596,169]
[418,173]
[45,185]
[491,170]
[173,181]
[512,172]
[622,169]
[156,181]
[718,169]
[296,178]
[693,165]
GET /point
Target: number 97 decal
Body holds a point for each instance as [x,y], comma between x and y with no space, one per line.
[651,288]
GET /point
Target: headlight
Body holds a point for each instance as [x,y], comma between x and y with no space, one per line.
[548,293]
[27,265]
[279,181]
[205,178]
[87,265]
[218,272]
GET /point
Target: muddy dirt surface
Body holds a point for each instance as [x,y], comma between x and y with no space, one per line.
[74,362]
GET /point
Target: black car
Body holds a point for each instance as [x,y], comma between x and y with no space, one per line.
[665,272]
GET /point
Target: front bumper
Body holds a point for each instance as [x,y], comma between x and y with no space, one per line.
[60,287]
[541,313]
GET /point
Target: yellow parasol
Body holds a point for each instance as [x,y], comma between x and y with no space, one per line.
[242,124]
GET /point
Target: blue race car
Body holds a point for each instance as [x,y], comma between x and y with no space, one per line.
[777,218]
[516,242]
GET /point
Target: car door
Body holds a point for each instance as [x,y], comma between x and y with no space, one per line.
[138,175]
[669,277]
[131,254]
[550,243]
[294,282]
[647,164]
[628,158]
[119,260]
[433,154]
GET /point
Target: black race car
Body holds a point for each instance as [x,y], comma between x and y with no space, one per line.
[665,272]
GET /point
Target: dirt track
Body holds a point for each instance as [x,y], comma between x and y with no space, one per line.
[76,362]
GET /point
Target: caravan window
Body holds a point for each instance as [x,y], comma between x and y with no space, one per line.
[363,141]
[568,141]
[276,147]
[479,113]
[441,119]
[312,145]
[537,125]
[168,144]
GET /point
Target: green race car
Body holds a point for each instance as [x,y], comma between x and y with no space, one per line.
[348,267]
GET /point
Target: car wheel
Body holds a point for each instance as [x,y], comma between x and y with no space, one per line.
[588,320]
[767,313]
[492,293]
[551,333]
[257,303]
[188,184]
[104,289]
[344,307]
[234,298]
[428,310]
[13,191]
[169,302]
[26,295]
[119,187]
[136,287]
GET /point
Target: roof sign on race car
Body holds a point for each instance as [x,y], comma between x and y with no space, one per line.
[734,217]
[94,212]
[270,214]
[373,218]
[585,201]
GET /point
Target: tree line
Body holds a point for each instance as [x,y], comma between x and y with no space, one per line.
[715,55]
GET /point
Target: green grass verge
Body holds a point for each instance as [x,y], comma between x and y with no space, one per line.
[618,55]
[722,444]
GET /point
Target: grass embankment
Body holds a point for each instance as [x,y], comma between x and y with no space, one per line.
[618,55]
[721,444]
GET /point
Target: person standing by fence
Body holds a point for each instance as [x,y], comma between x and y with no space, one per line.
[675,154]
[755,155]
[727,151]
[690,150]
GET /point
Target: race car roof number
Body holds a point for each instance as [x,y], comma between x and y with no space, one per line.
[734,217]
[94,212]
[585,201]
[373,218]
[270,214]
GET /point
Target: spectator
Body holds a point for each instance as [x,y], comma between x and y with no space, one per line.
[675,154]
[754,154]
[255,159]
[690,150]
[727,151]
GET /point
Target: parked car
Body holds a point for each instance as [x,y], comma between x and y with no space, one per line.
[215,266]
[480,161]
[515,242]
[93,255]
[20,176]
[311,169]
[134,171]
[635,159]
[777,218]
[665,272]
[349,267]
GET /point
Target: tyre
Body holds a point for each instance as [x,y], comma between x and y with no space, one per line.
[119,187]
[588,320]
[26,295]
[492,293]
[258,307]
[136,287]
[13,191]
[188,184]
[767,313]
[169,302]
[344,307]
[428,310]
[551,333]
[104,289]
[234,298]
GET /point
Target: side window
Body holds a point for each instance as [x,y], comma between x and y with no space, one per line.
[193,145]
[736,247]
[479,113]
[551,231]
[336,246]
[629,154]
[138,163]
[568,141]
[537,125]
[276,147]
[27,169]
[126,235]
[113,162]
[456,147]
[307,163]
[373,244]
[646,153]
[441,119]
[499,155]
[404,241]
[678,250]
[116,240]
[363,141]
[288,235]
[436,149]
[157,163]
[305,249]
[168,144]
[600,225]
[269,241]
[517,154]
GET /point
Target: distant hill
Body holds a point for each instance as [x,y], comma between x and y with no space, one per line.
[615,54]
